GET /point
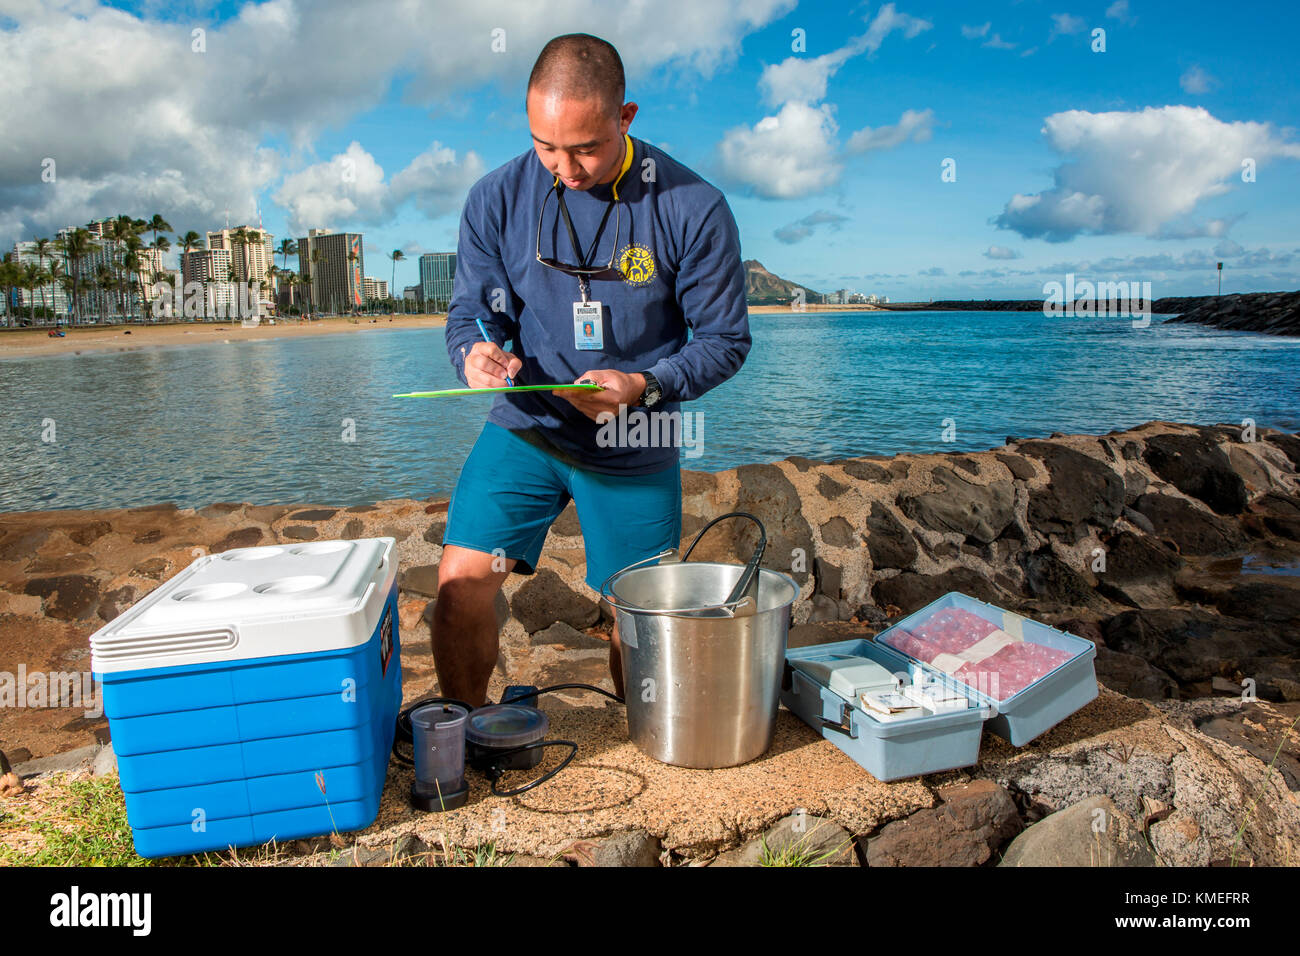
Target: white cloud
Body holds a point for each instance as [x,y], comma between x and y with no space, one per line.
[1196,81]
[971,33]
[996,42]
[1119,11]
[350,188]
[914,125]
[795,152]
[801,229]
[1001,252]
[139,122]
[1066,24]
[784,156]
[1132,172]
[802,79]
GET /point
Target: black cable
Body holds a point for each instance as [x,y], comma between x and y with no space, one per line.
[494,774]
[554,687]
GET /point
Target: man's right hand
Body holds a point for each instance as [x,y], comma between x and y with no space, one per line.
[488,365]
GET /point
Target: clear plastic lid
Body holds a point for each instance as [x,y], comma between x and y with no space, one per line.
[506,725]
[995,652]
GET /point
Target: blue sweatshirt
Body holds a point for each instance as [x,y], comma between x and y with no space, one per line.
[676,307]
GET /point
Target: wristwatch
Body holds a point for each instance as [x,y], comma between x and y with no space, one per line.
[653,392]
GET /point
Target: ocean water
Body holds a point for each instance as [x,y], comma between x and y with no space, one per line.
[311,420]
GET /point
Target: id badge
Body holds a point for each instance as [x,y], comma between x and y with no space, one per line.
[588,326]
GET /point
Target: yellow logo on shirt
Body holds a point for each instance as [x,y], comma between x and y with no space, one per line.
[637,264]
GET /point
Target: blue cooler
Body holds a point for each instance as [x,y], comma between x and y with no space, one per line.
[947,739]
[254,696]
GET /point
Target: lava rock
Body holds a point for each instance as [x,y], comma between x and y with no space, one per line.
[567,522]
[829,488]
[1091,833]
[1195,530]
[422,579]
[1051,579]
[1199,468]
[67,597]
[911,591]
[314,514]
[837,532]
[979,512]
[545,598]
[972,823]
[1081,489]
[1021,469]
[1132,676]
[628,848]
[241,538]
[889,543]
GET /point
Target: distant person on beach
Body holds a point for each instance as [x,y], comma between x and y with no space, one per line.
[592,255]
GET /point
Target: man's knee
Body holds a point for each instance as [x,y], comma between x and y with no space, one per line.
[464,573]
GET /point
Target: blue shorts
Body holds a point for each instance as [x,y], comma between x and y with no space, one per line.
[511,490]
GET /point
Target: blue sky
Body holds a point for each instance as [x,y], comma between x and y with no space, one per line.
[1127,162]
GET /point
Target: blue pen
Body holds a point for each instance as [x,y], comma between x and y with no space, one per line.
[487,338]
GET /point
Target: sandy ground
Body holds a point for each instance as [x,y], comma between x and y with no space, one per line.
[113,338]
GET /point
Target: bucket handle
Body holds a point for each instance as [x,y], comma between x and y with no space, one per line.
[751,566]
[737,599]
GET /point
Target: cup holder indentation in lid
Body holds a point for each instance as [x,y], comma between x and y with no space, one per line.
[321,547]
[250,554]
[292,585]
[211,592]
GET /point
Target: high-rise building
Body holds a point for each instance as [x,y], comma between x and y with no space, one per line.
[210,268]
[374,288]
[437,276]
[49,296]
[333,264]
[249,260]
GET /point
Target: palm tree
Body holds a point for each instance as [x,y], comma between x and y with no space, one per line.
[397,255]
[287,248]
[156,225]
[106,282]
[42,248]
[76,245]
[188,243]
[317,257]
[32,276]
[55,275]
[10,278]
[134,263]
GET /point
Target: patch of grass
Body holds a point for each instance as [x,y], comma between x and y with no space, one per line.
[1268,773]
[798,853]
[479,855]
[82,822]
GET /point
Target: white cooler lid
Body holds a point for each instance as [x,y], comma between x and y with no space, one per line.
[254,602]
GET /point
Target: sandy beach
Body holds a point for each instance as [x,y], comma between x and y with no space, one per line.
[20,343]
[113,338]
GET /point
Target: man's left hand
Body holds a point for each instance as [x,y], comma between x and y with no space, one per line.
[618,388]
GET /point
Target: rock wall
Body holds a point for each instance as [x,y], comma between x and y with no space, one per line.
[1277,313]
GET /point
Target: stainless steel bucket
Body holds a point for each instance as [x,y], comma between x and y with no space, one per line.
[702,663]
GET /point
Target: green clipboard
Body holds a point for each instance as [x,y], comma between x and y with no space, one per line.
[446,392]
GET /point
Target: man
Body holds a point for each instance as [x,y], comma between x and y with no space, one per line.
[592,255]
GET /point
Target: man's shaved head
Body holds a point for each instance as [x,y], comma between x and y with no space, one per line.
[579,66]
